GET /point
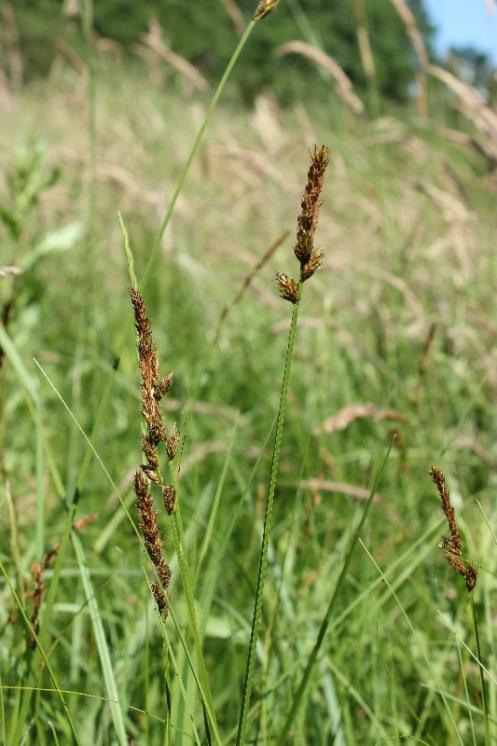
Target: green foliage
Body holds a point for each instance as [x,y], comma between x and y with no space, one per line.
[388,622]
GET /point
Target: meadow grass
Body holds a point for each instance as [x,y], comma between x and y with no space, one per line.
[366,635]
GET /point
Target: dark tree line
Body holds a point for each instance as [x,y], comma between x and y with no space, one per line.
[203,33]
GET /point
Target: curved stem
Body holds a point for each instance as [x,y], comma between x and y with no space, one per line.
[186,168]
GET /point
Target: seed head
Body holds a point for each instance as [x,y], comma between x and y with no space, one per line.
[287,287]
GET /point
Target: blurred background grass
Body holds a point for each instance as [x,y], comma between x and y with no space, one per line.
[401,318]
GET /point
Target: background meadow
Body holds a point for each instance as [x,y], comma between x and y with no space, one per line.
[396,347]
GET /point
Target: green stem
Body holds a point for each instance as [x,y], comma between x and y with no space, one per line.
[480,668]
[200,134]
[186,578]
[268,519]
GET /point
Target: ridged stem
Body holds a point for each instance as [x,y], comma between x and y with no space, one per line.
[268,521]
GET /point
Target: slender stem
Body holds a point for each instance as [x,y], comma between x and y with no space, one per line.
[480,668]
[186,577]
[186,168]
[268,519]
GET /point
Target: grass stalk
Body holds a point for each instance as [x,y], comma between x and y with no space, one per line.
[310,260]
[196,144]
[480,669]
[186,579]
[268,520]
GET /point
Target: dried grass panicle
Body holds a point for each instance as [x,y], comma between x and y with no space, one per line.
[452,544]
[309,258]
[153,389]
[38,575]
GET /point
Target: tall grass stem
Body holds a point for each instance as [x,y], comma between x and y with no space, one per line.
[480,668]
[268,520]
[198,139]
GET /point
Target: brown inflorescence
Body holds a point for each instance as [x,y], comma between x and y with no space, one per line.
[287,287]
[309,258]
[153,540]
[153,389]
[452,544]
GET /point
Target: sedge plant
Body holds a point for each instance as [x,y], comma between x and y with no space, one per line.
[309,259]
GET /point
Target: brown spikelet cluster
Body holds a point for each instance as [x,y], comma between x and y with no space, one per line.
[263,8]
[309,258]
[38,575]
[153,540]
[452,544]
[287,287]
[153,389]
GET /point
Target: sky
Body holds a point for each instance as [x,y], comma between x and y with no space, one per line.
[465,22]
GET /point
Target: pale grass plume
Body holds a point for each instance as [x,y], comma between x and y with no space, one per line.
[154,40]
[345,416]
[412,31]
[10,271]
[474,108]
[317,485]
[235,15]
[344,86]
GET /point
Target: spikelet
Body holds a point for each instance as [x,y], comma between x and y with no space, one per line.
[287,287]
[264,8]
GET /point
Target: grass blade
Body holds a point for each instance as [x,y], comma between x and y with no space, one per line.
[297,698]
[50,670]
[102,646]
